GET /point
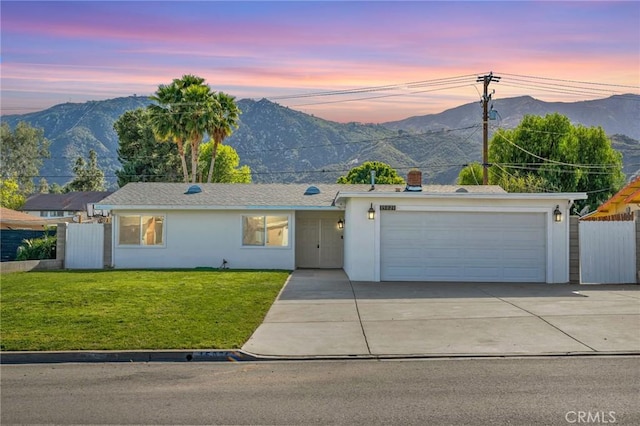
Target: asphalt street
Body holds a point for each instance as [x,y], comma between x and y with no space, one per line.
[493,391]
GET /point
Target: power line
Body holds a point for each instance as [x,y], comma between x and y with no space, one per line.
[567,87]
[548,84]
[537,169]
[404,135]
[591,92]
[381,96]
[413,84]
[271,172]
[547,160]
[535,187]
[571,81]
[602,190]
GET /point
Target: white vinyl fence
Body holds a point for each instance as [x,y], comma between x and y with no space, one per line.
[84,246]
[607,252]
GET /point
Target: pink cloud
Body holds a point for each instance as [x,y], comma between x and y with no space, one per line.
[262,49]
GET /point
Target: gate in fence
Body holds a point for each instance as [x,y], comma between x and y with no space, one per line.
[608,252]
[84,246]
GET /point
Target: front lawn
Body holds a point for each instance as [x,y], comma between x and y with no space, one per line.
[193,309]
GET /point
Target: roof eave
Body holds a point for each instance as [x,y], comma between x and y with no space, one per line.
[208,207]
[572,196]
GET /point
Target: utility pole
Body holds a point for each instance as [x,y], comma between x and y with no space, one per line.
[486,97]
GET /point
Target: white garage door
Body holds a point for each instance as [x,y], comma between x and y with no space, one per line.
[448,246]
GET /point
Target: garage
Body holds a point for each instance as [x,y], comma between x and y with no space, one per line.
[463,246]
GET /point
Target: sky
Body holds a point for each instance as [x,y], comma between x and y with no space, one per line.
[363,61]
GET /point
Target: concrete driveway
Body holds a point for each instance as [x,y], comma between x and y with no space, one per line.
[320,313]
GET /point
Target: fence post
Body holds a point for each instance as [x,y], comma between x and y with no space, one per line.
[61,242]
[574,250]
[108,244]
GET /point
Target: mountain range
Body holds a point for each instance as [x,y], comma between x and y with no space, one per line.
[284,145]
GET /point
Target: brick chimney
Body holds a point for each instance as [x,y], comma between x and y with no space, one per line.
[414,180]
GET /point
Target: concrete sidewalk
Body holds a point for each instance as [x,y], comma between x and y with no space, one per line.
[320,313]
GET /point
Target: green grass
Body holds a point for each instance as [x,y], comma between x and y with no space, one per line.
[194,309]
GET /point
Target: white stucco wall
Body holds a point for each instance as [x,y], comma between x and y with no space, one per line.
[202,239]
[362,236]
[360,241]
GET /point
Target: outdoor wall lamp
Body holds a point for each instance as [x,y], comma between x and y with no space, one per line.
[557,214]
[340,223]
[372,212]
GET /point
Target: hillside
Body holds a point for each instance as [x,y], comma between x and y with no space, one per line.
[630,149]
[616,114]
[284,145]
[75,128]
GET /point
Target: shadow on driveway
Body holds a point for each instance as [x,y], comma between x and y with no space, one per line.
[309,284]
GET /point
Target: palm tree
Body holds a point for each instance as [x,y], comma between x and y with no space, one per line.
[166,120]
[181,114]
[196,119]
[225,116]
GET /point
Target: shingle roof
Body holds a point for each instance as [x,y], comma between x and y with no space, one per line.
[12,219]
[71,201]
[13,215]
[221,195]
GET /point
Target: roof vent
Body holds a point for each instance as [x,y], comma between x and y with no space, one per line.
[461,190]
[193,189]
[312,190]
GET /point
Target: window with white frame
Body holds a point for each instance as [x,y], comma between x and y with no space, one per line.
[265,231]
[140,230]
[52,213]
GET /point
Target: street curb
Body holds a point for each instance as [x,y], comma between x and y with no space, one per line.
[391,357]
[58,357]
[50,357]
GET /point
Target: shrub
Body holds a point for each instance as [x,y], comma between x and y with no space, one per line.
[38,248]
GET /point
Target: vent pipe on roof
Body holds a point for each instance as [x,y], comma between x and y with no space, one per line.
[373,180]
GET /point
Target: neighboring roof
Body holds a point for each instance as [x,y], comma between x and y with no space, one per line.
[14,215]
[246,196]
[12,219]
[630,194]
[71,201]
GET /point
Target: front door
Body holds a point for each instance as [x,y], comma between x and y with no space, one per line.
[319,242]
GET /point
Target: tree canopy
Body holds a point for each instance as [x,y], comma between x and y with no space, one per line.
[143,157]
[22,151]
[549,154]
[227,165]
[146,158]
[362,174]
[10,196]
[89,177]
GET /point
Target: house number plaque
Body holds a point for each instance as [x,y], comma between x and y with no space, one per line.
[387,208]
